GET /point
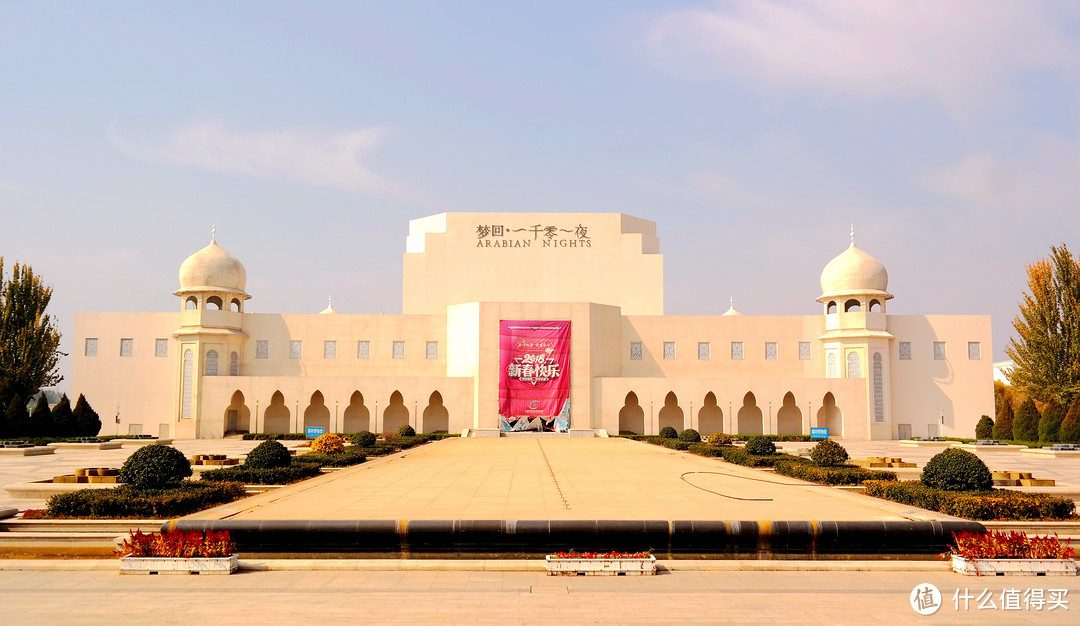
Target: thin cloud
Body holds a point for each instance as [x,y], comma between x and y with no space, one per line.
[13,188]
[958,53]
[325,159]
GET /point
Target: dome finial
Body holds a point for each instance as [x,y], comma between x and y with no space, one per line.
[853,234]
[213,232]
[330,300]
[731,301]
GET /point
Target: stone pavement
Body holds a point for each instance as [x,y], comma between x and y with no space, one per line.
[383,597]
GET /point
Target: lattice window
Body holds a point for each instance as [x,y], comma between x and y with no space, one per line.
[161,347]
[262,349]
[830,368]
[91,347]
[879,389]
[974,350]
[234,364]
[636,351]
[736,350]
[127,347]
[939,350]
[211,366]
[399,349]
[669,350]
[363,349]
[329,349]
[804,350]
[704,351]
[296,349]
[854,365]
[905,350]
[431,349]
[189,370]
[770,351]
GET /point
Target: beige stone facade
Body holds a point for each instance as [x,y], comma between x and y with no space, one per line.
[212,367]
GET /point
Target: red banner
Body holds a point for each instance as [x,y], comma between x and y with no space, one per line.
[534,357]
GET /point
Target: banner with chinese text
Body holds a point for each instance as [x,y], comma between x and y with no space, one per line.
[534,380]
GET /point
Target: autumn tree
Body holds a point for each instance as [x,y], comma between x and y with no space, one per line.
[1003,425]
[1070,426]
[29,339]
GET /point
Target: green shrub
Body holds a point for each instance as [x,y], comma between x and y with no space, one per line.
[827,453]
[262,475]
[957,470]
[1026,424]
[354,455]
[1050,423]
[719,439]
[739,456]
[155,466]
[690,436]
[275,436]
[129,501]
[268,454]
[735,455]
[831,475]
[364,439]
[760,446]
[998,504]
[667,432]
[1070,426]
[675,444]
[1003,422]
[704,449]
[985,428]
[406,431]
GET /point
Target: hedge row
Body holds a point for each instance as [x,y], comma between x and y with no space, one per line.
[262,475]
[832,475]
[998,504]
[128,501]
[354,455]
[302,436]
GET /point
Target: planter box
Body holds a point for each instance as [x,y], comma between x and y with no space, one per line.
[167,565]
[600,567]
[1014,567]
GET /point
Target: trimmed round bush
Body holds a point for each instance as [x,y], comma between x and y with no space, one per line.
[328,444]
[690,435]
[827,453]
[406,431]
[667,432]
[268,454]
[364,439]
[761,446]
[957,470]
[984,430]
[155,466]
[719,439]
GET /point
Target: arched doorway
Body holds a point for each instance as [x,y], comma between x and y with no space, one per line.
[789,417]
[631,416]
[357,416]
[750,418]
[317,414]
[672,413]
[829,416]
[276,418]
[710,417]
[237,415]
[396,413]
[436,417]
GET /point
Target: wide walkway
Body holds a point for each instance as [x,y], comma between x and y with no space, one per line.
[557,479]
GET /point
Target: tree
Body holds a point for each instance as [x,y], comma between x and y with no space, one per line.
[1070,426]
[1003,425]
[41,419]
[29,339]
[63,419]
[1046,350]
[87,422]
[985,428]
[1050,423]
[1026,424]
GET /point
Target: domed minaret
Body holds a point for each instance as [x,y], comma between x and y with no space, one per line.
[211,336]
[856,340]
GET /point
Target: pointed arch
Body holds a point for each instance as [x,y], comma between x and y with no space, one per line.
[317,414]
[237,415]
[829,416]
[751,421]
[631,416]
[672,414]
[710,417]
[789,417]
[277,418]
[396,414]
[357,416]
[436,419]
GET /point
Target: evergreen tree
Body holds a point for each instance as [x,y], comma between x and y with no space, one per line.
[87,422]
[29,340]
[63,418]
[1050,423]
[41,420]
[1046,349]
[17,417]
[1070,426]
[985,428]
[1026,424]
[1003,425]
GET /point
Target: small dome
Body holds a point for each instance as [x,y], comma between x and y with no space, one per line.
[854,272]
[213,268]
[329,310]
[731,308]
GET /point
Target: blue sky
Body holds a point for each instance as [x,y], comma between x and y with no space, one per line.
[754,133]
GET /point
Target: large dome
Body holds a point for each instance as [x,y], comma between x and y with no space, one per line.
[213,268]
[854,272]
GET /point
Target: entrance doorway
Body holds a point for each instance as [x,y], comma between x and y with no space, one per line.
[903,431]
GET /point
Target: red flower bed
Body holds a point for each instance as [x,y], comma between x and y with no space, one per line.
[183,545]
[1011,545]
[601,555]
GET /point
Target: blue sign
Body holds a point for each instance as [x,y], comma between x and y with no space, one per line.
[314,431]
[817,433]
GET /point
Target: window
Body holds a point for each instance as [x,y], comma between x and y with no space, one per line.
[432,349]
[939,350]
[262,349]
[329,349]
[189,367]
[91,346]
[296,349]
[234,364]
[770,351]
[804,350]
[854,365]
[399,349]
[363,349]
[704,351]
[126,347]
[974,350]
[636,353]
[879,389]
[831,367]
[736,350]
[211,363]
[161,347]
[905,350]
[669,350]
